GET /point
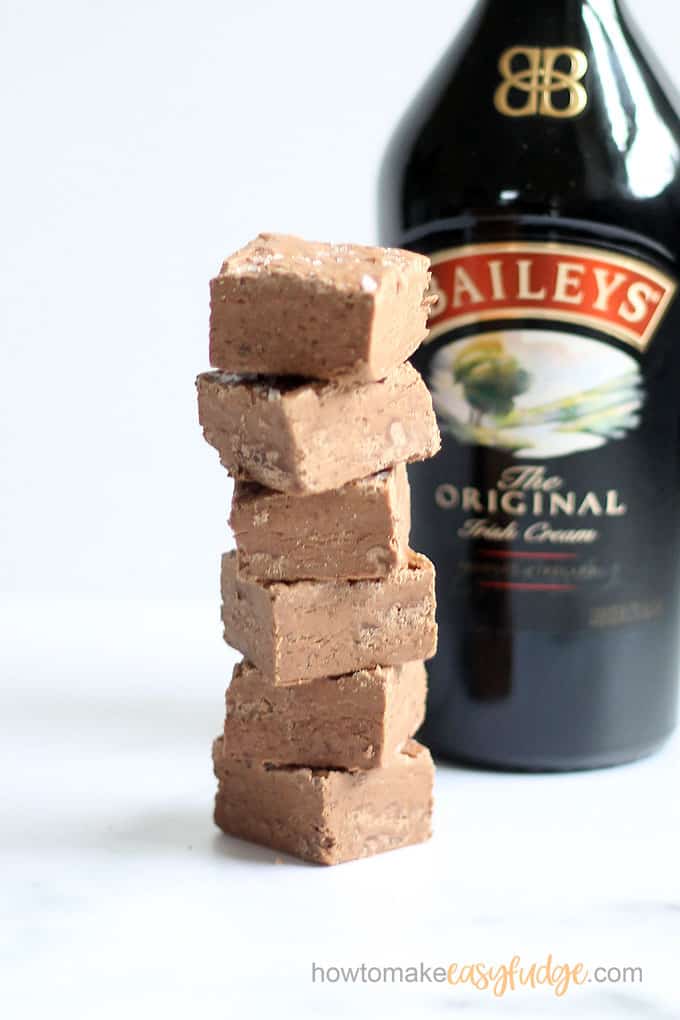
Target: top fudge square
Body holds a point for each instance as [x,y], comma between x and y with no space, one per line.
[283,306]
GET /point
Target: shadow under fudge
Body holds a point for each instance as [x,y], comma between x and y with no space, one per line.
[326,816]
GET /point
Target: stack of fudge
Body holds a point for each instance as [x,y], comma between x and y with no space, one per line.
[315,412]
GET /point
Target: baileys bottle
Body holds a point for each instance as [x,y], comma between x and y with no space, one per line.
[539,168]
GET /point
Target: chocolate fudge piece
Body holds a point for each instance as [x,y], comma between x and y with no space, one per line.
[313,437]
[308,629]
[358,531]
[356,721]
[322,815]
[283,306]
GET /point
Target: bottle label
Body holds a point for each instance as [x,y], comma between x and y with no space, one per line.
[621,296]
[539,366]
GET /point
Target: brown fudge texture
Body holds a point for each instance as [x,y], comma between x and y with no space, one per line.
[356,721]
[358,531]
[309,629]
[322,815]
[313,437]
[283,306]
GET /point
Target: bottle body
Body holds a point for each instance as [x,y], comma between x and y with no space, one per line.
[539,170]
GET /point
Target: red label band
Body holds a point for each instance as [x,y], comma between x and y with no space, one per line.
[615,294]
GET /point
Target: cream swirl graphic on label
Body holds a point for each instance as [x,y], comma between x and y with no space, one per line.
[536,393]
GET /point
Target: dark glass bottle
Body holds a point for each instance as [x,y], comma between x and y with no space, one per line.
[540,169]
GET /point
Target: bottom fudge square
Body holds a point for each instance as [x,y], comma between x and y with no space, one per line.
[322,815]
[357,721]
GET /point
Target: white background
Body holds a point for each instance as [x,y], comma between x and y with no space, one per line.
[142,142]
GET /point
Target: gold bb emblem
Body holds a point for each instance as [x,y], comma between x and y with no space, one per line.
[533,78]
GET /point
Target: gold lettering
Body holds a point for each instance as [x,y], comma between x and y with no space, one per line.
[472,500]
[463,285]
[569,276]
[531,477]
[497,285]
[542,532]
[474,527]
[606,287]
[555,80]
[640,296]
[524,291]
[525,79]
[613,507]
[446,496]
[562,503]
[536,73]
[590,505]
[513,503]
[528,489]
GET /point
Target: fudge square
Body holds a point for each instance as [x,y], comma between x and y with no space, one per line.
[358,531]
[324,815]
[312,437]
[357,721]
[309,629]
[283,306]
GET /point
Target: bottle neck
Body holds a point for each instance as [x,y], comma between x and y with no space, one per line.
[549,12]
[513,8]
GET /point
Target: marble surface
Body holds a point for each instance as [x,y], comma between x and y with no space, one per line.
[120,899]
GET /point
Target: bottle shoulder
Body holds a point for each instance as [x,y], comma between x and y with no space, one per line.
[617,162]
